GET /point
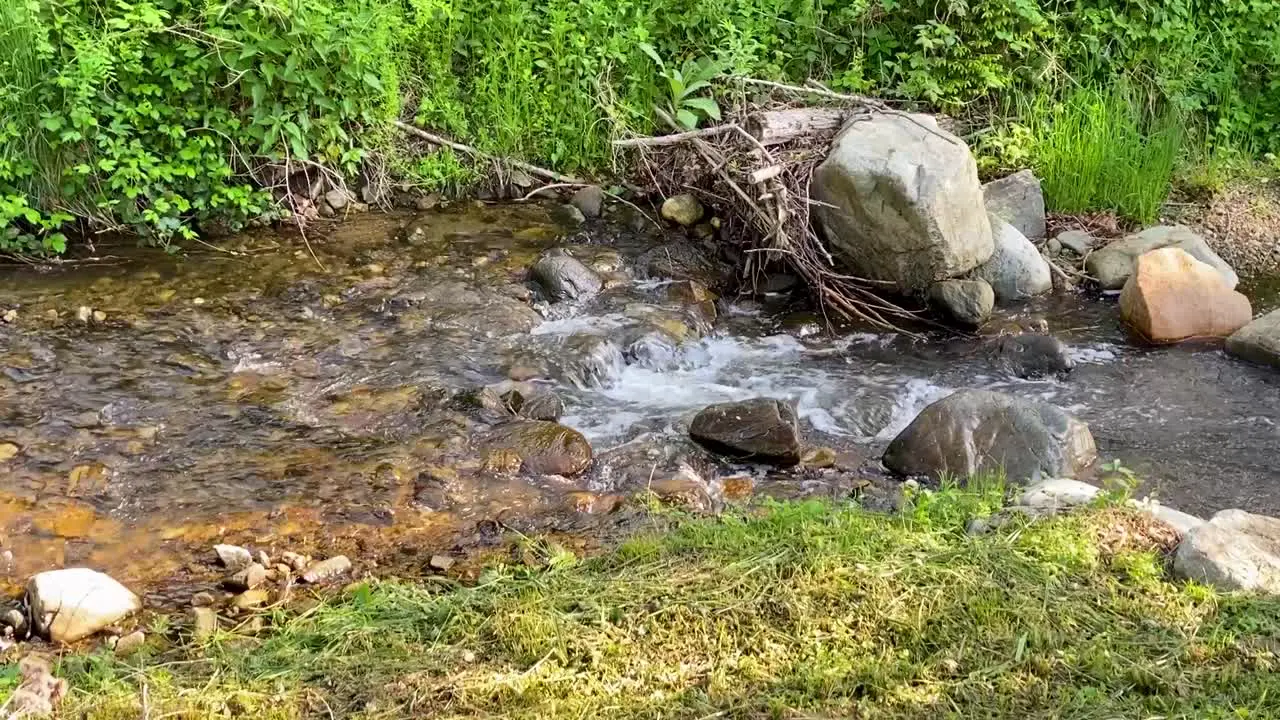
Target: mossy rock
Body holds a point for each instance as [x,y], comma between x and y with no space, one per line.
[545,448]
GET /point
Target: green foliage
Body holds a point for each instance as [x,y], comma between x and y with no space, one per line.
[159,115]
[684,105]
[153,113]
[795,609]
[1105,150]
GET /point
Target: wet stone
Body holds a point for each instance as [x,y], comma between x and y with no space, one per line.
[327,569]
[763,430]
[543,447]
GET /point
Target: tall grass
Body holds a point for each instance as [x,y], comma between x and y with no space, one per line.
[1105,149]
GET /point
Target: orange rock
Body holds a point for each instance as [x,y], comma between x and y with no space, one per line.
[1171,296]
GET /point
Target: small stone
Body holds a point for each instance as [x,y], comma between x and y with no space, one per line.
[202,599]
[327,569]
[819,457]
[99,316]
[263,559]
[294,560]
[14,618]
[427,202]
[10,315]
[590,200]
[568,215]
[441,562]
[84,313]
[197,301]
[1077,241]
[130,643]
[1053,246]
[233,557]
[250,599]
[8,451]
[205,622]
[683,210]
[338,199]
[247,579]
[968,302]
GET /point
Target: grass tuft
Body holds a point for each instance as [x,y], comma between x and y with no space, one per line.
[799,610]
[1105,150]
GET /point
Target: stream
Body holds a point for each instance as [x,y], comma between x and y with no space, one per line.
[243,393]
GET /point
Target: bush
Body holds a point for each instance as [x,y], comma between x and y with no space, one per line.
[160,115]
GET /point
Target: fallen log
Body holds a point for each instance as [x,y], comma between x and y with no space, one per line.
[774,127]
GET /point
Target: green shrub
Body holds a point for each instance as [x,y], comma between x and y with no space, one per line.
[159,115]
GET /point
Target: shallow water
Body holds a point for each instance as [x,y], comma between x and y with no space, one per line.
[247,394]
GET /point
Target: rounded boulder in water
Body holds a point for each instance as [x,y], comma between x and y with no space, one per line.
[978,431]
[762,430]
[563,277]
[1032,355]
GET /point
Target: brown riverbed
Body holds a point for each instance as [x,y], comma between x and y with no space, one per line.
[252,393]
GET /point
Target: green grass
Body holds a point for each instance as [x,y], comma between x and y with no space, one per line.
[1105,150]
[799,610]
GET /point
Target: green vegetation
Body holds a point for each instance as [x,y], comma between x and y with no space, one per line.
[1105,150]
[795,610]
[162,116]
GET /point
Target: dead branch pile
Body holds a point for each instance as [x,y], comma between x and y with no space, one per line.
[757,169]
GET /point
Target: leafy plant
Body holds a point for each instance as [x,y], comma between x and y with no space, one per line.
[695,76]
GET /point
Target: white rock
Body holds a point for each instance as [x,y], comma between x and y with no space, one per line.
[1235,550]
[1178,520]
[901,202]
[1016,270]
[71,604]
[1058,494]
[233,557]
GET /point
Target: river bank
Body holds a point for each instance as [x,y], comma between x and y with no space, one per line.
[792,610]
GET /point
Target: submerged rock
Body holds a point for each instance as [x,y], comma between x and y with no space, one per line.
[1018,200]
[977,431]
[563,277]
[1259,341]
[536,404]
[1016,270]
[543,447]
[684,209]
[1032,355]
[685,260]
[1113,264]
[1172,297]
[966,301]
[901,202]
[1235,550]
[71,604]
[763,430]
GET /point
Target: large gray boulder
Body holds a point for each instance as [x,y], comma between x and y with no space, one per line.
[901,202]
[763,430]
[1113,264]
[1235,550]
[1018,200]
[1016,270]
[1259,341]
[72,604]
[978,431]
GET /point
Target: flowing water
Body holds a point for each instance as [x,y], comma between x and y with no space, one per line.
[244,393]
